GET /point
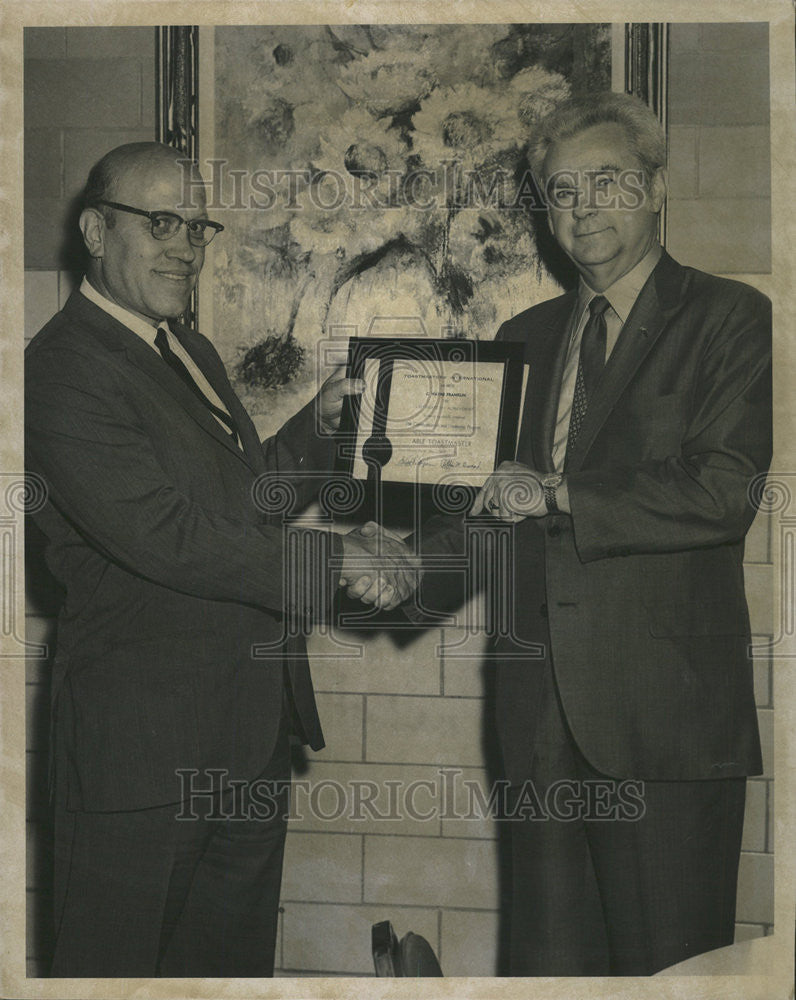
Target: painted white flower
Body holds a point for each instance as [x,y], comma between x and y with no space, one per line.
[349,216]
[385,84]
[537,92]
[290,63]
[279,89]
[464,53]
[467,124]
[361,145]
[354,204]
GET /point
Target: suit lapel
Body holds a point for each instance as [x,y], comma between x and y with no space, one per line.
[546,351]
[656,303]
[210,365]
[116,337]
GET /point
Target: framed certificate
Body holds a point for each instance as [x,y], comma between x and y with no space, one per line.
[433,412]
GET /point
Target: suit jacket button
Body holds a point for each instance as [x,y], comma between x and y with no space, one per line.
[543,610]
[554,529]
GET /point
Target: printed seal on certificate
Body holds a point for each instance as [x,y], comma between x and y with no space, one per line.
[434,414]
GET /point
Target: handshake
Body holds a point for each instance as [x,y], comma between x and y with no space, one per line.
[378,568]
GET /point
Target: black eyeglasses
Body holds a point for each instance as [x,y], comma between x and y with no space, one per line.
[165,225]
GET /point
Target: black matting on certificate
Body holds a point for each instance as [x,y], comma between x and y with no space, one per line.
[435,419]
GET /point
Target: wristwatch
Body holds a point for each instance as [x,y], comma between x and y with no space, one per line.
[549,484]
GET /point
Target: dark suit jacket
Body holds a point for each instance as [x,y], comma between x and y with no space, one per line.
[638,597]
[171,571]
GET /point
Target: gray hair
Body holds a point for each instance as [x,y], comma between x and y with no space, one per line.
[644,132]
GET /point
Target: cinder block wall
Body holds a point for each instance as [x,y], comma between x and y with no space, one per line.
[402,715]
[720,200]
[86,91]
[720,220]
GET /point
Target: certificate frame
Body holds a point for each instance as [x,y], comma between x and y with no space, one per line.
[368,441]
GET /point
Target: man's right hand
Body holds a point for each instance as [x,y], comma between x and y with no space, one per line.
[378,568]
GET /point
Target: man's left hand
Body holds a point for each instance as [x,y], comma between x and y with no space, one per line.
[330,398]
[512,493]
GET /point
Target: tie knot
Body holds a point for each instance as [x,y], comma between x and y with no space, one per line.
[598,305]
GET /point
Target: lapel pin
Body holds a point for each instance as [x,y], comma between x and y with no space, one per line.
[643,331]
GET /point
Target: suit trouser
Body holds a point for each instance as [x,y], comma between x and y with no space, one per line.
[143,893]
[613,896]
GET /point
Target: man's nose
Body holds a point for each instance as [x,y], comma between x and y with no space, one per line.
[179,247]
[584,204]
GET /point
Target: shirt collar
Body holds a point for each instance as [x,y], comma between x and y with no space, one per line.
[622,294]
[140,326]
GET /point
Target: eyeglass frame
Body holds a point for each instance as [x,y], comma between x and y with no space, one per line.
[216,227]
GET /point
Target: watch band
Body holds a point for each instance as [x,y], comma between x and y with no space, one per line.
[549,485]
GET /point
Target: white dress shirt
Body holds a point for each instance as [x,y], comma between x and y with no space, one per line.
[621,295]
[147,332]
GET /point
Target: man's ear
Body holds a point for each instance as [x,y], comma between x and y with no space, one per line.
[92,226]
[658,188]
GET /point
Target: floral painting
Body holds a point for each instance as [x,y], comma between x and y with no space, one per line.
[373,181]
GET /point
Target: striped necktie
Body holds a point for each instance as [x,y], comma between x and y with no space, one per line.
[171,359]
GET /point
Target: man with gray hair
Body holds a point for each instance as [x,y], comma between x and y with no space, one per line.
[628,738]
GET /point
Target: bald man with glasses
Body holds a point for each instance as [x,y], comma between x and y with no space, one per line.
[170,748]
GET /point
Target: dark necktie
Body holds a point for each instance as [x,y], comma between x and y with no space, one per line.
[171,359]
[590,363]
